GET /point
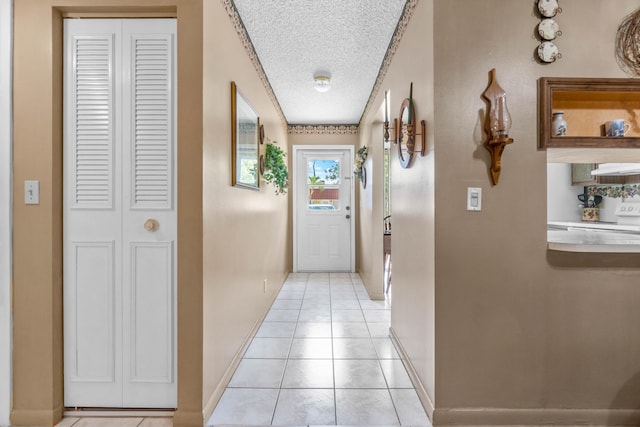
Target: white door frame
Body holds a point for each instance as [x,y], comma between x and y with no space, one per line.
[294,181]
[6,28]
[135,365]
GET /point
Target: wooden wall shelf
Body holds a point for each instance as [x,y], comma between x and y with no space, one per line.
[591,142]
[588,103]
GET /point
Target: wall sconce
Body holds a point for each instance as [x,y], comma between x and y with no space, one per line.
[406,134]
[497,125]
[387,125]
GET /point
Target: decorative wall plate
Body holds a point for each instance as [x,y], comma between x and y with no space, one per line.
[364,177]
[548,8]
[549,29]
[548,52]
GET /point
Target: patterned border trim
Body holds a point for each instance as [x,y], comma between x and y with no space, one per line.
[409,9]
[323,129]
[248,45]
[615,191]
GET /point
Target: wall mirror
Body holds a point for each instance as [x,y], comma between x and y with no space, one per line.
[405,144]
[245,141]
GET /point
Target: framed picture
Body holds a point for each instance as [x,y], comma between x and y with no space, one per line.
[581,174]
[245,127]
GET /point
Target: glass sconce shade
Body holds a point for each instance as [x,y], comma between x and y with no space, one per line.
[500,118]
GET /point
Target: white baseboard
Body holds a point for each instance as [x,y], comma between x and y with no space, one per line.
[424,397]
[535,417]
[505,417]
[231,369]
[213,400]
[118,413]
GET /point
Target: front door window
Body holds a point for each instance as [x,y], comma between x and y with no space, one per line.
[323,185]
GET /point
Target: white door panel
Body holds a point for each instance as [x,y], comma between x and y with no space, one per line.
[92,220]
[94,297]
[323,209]
[92,324]
[148,356]
[119,171]
[149,256]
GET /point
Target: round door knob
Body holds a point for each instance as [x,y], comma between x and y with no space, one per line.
[151,225]
[348,216]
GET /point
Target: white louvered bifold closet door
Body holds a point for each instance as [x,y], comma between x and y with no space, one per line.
[120,227]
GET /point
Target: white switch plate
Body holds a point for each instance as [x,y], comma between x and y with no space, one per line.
[474,199]
[31,192]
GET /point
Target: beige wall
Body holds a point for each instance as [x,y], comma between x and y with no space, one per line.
[522,335]
[37,249]
[370,226]
[522,327]
[321,139]
[246,234]
[412,202]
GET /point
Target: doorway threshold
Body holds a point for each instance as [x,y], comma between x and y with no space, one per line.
[118,412]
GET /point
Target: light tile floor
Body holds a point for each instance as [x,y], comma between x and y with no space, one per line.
[322,356]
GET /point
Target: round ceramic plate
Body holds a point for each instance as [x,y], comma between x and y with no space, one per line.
[548,8]
[548,52]
[549,29]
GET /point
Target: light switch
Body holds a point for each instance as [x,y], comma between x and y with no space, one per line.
[474,199]
[31,192]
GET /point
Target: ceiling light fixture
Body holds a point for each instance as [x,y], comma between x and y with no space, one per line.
[322,81]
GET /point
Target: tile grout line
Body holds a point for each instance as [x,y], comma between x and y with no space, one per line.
[333,299]
[333,358]
[275,407]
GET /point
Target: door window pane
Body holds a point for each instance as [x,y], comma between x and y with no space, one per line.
[323,184]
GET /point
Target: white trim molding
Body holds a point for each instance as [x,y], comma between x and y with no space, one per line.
[535,417]
[6,28]
[423,395]
[512,417]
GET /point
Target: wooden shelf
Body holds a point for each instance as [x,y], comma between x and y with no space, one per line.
[588,103]
[592,142]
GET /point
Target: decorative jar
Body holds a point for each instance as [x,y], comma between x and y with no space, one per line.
[590,214]
[559,124]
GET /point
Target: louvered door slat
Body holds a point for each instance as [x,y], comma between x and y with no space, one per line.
[153,133]
[93,122]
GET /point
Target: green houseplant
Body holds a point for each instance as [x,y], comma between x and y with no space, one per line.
[361,157]
[275,168]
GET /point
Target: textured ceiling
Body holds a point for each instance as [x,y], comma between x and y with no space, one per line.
[294,39]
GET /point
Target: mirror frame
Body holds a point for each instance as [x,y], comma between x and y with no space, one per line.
[244,138]
[405,160]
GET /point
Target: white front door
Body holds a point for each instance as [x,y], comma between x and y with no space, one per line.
[323,236]
[120,226]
